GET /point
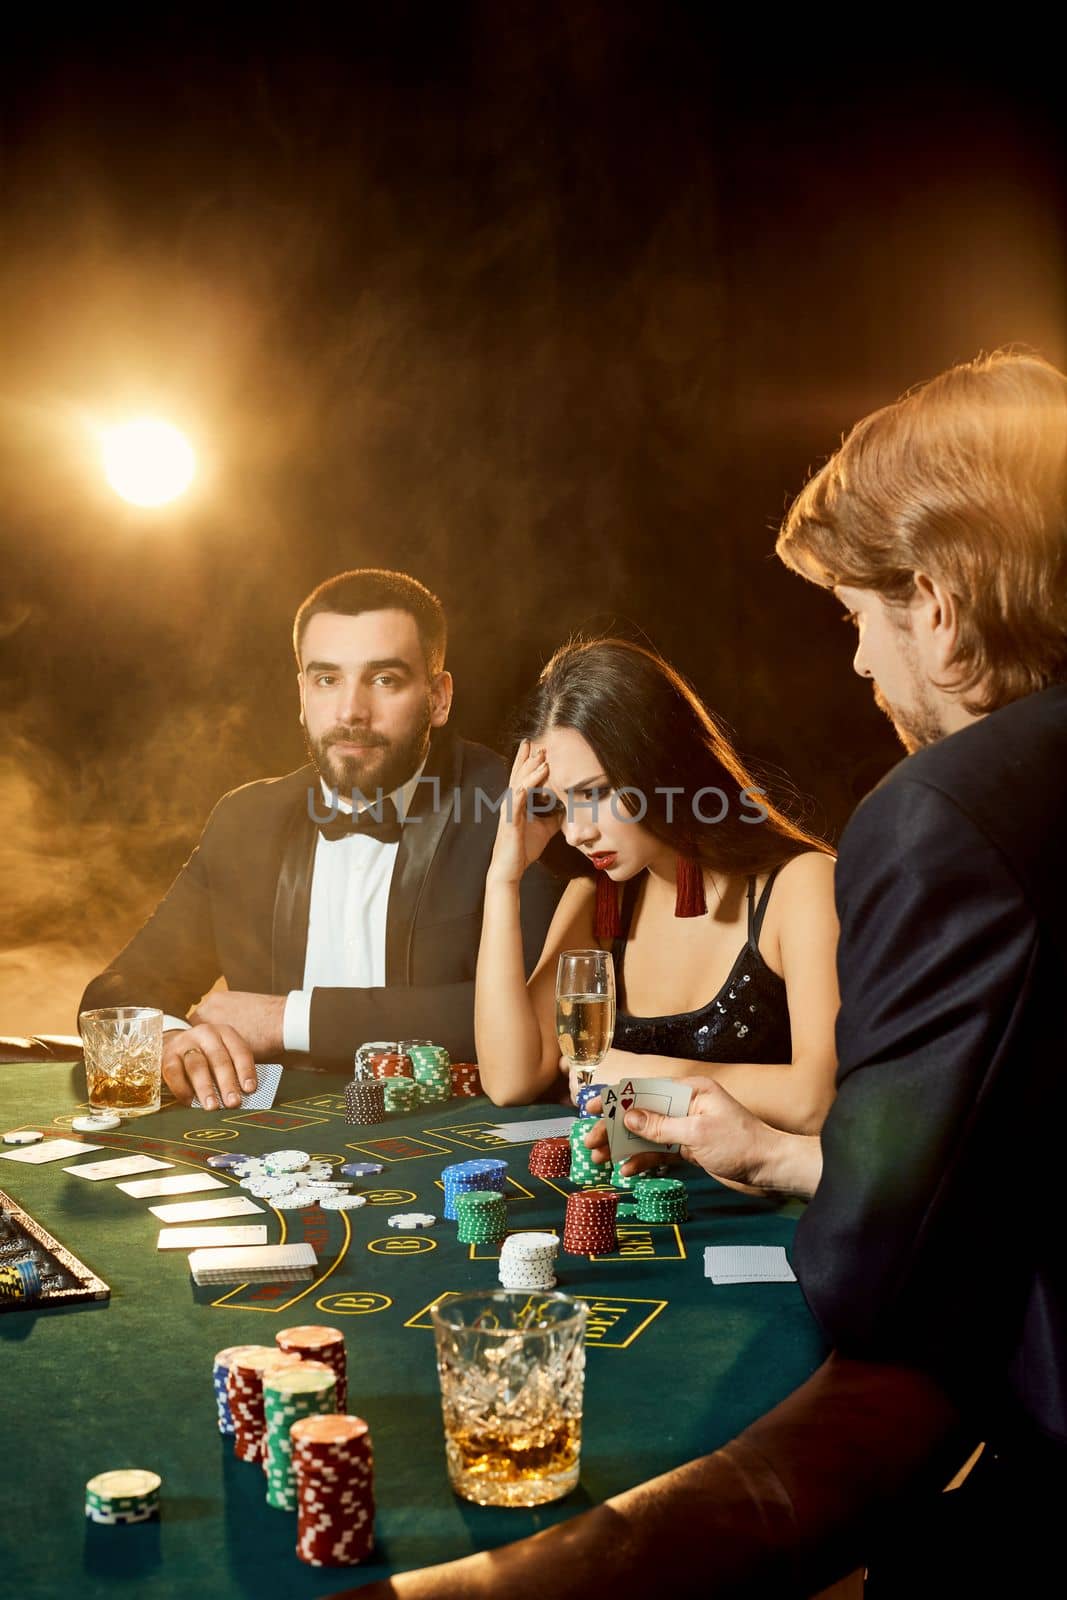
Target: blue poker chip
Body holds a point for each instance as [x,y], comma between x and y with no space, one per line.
[226,1159]
[362,1169]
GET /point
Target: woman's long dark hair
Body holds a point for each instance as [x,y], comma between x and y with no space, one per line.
[651,733]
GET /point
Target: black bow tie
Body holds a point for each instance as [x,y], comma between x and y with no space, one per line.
[386,831]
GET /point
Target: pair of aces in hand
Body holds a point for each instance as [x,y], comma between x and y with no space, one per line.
[665,1095]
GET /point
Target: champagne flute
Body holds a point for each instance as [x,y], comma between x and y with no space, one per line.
[585,1009]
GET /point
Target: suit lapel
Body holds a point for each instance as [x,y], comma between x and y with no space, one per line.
[292,898]
[415,853]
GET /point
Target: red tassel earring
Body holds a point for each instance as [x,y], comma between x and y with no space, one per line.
[607,923]
[689,898]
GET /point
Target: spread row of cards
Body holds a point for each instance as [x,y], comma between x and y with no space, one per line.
[234,1254]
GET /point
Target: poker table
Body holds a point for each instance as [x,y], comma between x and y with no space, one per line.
[676,1365]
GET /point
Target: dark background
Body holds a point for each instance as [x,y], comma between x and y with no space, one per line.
[554,305]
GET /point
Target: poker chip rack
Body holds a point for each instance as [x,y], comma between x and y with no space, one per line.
[65,1281]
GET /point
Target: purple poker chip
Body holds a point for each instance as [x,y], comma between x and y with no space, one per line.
[226,1159]
[362,1169]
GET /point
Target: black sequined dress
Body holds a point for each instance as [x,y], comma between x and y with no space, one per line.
[748,1020]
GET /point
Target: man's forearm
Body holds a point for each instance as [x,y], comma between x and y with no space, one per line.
[788,1163]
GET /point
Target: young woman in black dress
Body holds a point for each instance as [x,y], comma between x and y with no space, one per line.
[718,909]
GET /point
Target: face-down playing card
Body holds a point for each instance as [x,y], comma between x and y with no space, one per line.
[665,1095]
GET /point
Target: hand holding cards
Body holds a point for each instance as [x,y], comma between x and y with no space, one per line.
[666,1095]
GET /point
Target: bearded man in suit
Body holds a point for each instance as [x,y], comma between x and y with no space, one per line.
[343,901]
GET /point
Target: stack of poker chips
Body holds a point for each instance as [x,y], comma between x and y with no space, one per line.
[20,1282]
[587,1092]
[224,1360]
[364,1102]
[482,1215]
[589,1226]
[431,1065]
[660,1199]
[389,1064]
[401,1095]
[244,1389]
[584,1170]
[289,1395]
[313,1343]
[551,1158]
[334,1465]
[527,1261]
[485,1173]
[374,1047]
[128,1496]
[465,1080]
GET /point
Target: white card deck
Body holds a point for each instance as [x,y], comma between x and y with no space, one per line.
[230,1205]
[747,1263]
[267,1263]
[527,1132]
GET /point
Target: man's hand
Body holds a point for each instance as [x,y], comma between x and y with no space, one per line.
[256,1017]
[716,1133]
[212,1065]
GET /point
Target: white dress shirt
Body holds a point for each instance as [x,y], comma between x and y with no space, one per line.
[350,881]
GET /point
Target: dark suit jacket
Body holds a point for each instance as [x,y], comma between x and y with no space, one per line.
[239,909]
[936,1234]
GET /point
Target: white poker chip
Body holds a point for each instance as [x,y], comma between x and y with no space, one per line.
[318,1170]
[332,1200]
[270,1188]
[276,1161]
[412,1219]
[97,1124]
[23,1136]
[296,1201]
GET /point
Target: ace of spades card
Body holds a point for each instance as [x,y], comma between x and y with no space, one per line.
[665,1095]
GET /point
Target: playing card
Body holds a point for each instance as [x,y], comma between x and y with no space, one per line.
[747,1263]
[124,1167]
[178,1183]
[231,1205]
[526,1132]
[265,1263]
[50,1150]
[665,1095]
[269,1074]
[210,1238]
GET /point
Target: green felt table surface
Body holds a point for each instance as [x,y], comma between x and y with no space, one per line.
[676,1365]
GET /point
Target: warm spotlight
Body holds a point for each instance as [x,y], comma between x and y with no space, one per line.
[147,462]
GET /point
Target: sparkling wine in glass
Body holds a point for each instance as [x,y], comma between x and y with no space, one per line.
[585,1009]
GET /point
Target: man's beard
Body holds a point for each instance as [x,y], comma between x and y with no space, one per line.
[386,766]
[917,725]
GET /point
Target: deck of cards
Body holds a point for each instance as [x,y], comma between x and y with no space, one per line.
[665,1095]
[263,1263]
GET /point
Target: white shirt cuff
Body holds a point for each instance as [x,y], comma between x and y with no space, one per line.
[296,1020]
[170,1023]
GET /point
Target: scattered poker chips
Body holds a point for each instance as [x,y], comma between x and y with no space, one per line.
[527,1261]
[551,1158]
[226,1160]
[587,1092]
[96,1122]
[19,1281]
[362,1169]
[364,1102]
[334,1464]
[584,1170]
[408,1221]
[224,1360]
[312,1342]
[338,1201]
[463,1176]
[482,1216]
[281,1161]
[244,1390]
[465,1079]
[289,1395]
[23,1136]
[127,1496]
[589,1225]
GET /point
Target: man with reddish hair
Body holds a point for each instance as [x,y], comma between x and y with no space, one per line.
[931,1252]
